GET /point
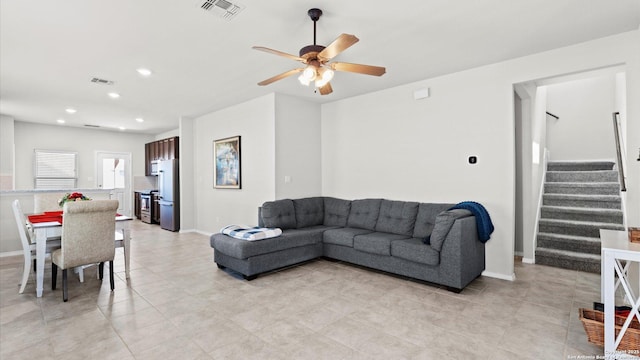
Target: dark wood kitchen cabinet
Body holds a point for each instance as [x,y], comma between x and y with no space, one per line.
[165,149]
[136,204]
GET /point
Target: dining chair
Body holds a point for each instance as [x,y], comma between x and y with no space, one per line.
[88,230]
[46,201]
[29,246]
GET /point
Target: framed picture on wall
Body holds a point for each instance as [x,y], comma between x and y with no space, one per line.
[226,163]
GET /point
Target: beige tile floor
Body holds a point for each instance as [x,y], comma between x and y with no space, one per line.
[178,305]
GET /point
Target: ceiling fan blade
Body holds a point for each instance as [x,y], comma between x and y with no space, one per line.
[358,68]
[279,53]
[338,45]
[280,77]
[326,89]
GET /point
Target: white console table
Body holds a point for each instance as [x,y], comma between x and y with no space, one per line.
[616,248]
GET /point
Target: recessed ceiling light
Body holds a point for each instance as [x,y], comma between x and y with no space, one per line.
[71,110]
[122,128]
[113,95]
[144,72]
[140,120]
[60,121]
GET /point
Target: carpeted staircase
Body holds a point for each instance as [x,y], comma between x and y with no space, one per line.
[579,199]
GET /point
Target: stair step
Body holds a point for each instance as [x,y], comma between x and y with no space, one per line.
[582,176]
[580,200]
[582,244]
[578,228]
[613,216]
[579,165]
[594,188]
[568,260]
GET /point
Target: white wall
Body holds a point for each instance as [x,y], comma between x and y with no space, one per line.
[537,162]
[297,131]
[254,122]
[386,144]
[584,130]
[6,152]
[187,180]
[31,136]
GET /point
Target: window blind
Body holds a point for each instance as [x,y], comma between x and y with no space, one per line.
[55,169]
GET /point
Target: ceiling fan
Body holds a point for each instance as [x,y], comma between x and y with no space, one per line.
[317,57]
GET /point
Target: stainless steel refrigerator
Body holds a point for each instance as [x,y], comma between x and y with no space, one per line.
[169,194]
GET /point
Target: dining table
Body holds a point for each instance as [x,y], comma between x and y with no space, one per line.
[43,231]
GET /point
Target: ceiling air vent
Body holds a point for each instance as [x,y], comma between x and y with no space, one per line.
[223,8]
[92,126]
[102,81]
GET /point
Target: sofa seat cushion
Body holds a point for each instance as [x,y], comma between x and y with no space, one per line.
[364,214]
[342,236]
[290,238]
[309,212]
[397,217]
[376,242]
[415,250]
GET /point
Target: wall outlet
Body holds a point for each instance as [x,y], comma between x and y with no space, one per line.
[287,179]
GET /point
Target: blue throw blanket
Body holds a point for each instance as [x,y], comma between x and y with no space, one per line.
[483,220]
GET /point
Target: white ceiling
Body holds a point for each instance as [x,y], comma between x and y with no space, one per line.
[50,50]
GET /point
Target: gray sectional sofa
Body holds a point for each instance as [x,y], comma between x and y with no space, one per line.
[376,233]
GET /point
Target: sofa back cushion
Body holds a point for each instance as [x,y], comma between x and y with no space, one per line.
[309,211]
[364,213]
[279,214]
[397,217]
[427,218]
[336,211]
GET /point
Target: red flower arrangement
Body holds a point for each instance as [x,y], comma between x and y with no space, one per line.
[75,196]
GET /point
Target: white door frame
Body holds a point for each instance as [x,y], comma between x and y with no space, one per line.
[126,208]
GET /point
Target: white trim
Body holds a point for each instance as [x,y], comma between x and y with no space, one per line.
[528,261]
[206,233]
[545,161]
[11,253]
[499,276]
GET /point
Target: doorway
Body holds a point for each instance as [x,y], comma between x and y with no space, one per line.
[539,136]
[113,172]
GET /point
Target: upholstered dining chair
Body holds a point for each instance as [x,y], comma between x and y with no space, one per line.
[88,229]
[28,245]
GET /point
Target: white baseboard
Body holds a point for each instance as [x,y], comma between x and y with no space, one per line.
[206,233]
[10,253]
[499,276]
[196,231]
[528,261]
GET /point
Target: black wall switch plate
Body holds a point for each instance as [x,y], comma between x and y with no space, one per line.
[473,159]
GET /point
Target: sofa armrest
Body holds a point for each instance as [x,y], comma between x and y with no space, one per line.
[462,257]
[443,224]
[260,221]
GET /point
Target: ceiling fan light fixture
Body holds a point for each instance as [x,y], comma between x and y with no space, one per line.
[320,83]
[309,73]
[327,74]
[303,80]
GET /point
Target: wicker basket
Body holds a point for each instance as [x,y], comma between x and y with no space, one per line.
[634,234]
[593,322]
